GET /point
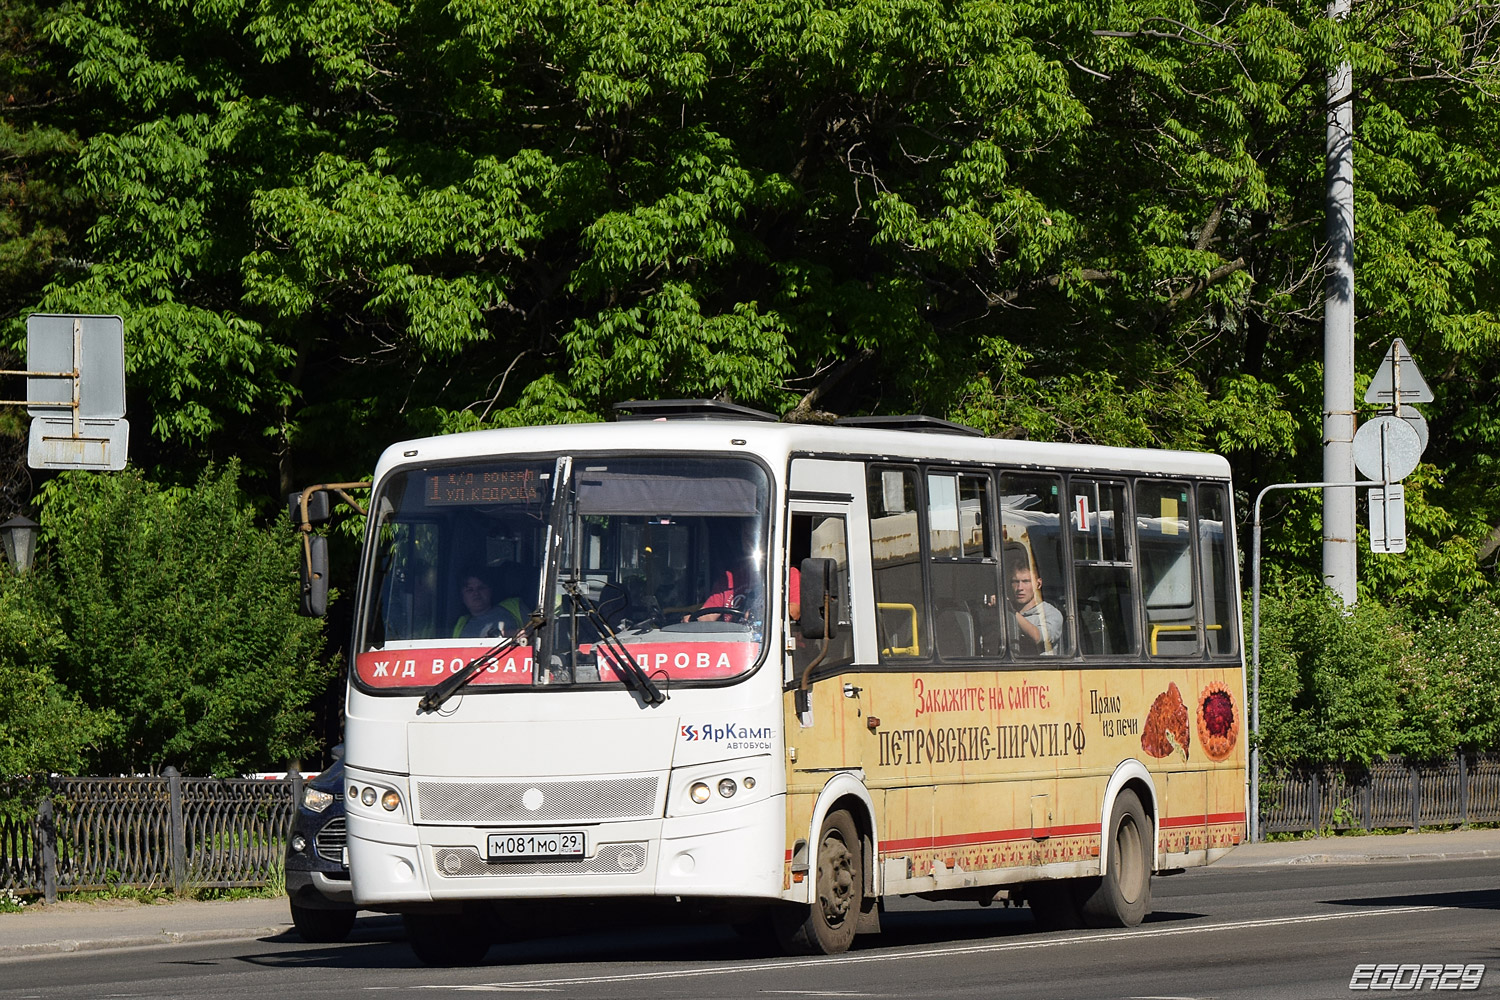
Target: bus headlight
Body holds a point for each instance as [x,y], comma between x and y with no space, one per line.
[390,801]
[699,793]
[367,796]
[727,787]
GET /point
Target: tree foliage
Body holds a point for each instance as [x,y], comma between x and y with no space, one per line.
[176,614]
[1086,221]
[1352,686]
[332,225]
[43,727]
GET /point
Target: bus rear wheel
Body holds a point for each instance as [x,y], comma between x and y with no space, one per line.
[827,926]
[1122,897]
[448,939]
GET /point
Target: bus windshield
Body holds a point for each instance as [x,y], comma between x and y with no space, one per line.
[667,554]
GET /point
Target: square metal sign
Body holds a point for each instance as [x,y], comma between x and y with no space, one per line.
[100,344]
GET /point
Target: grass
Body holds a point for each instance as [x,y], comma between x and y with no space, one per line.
[12,901]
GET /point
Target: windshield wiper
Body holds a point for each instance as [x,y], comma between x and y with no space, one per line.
[448,686]
[620,658]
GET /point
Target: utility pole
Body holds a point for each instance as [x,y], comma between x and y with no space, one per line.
[1340,566]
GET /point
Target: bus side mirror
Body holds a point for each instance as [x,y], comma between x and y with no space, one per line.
[317,507]
[820,585]
[313,568]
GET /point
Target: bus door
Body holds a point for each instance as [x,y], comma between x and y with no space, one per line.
[825,509]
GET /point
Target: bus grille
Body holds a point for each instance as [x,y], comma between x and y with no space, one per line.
[609,859]
[480,803]
[330,840]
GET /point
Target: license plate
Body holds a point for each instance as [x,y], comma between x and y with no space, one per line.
[526,846]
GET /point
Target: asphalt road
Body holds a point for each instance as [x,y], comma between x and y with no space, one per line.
[1294,932]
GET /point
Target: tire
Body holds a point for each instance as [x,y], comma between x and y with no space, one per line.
[1122,897]
[448,939]
[827,926]
[322,926]
[1054,905]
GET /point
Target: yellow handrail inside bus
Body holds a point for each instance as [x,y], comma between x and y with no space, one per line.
[1156,629]
[915,649]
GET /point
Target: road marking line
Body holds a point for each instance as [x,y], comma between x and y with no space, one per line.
[980,949]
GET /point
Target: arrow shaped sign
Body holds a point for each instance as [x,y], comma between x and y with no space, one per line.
[1398,374]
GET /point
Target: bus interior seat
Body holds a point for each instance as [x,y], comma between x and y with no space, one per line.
[1092,632]
[893,628]
[955,633]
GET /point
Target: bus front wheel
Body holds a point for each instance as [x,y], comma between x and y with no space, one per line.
[448,939]
[1122,897]
[826,927]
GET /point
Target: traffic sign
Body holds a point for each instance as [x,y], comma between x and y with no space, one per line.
[1388,518]
[1386,448]
[1418,423]
[1398,375]
[99,342]
[97,444]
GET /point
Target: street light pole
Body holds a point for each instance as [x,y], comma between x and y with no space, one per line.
[1340,565]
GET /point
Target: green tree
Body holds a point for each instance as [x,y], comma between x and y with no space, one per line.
[1329,678]
[176,612]
[1455,702]
[330,226]
[43,727]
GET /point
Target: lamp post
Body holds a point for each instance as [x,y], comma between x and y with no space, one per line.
[19,536]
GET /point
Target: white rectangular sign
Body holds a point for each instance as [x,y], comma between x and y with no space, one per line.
[1388,518]
[101,444]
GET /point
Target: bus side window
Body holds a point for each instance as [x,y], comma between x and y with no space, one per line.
[896,559]
[1102,567]
[1165,543]
[961,564]
[1217,570]
[1033,598]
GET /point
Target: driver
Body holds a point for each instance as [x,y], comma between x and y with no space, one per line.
[483,618]
[739,585]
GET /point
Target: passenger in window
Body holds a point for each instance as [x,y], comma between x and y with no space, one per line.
[484,619]
[1036,624]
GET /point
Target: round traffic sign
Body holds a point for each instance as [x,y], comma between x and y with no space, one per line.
[1387,448]
[1419,422]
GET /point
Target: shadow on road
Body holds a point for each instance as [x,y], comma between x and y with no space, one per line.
[380,943]
[1466,899]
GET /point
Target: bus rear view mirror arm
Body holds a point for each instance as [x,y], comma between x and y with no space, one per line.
[820,601]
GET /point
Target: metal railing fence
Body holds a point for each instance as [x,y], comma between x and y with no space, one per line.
[1392,794]
[70,834]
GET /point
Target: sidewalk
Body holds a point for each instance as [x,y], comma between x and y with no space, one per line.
[68,926]
[1448,846]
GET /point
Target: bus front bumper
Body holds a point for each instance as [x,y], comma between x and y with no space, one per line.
[729,852]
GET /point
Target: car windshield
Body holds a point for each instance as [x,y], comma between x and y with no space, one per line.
[667,554]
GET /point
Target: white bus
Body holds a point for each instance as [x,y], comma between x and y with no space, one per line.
[770,673]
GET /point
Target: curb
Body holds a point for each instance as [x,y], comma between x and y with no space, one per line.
[1364,859]
[162,938]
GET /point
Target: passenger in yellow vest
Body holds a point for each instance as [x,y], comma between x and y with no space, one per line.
[483,618]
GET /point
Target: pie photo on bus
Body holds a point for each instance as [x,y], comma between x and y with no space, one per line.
[1166,729]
